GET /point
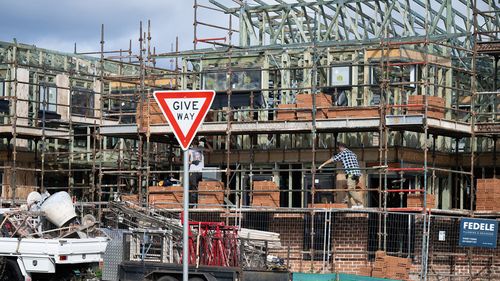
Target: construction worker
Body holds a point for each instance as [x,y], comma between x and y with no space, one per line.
[169,181]
[350,162]
[196,164]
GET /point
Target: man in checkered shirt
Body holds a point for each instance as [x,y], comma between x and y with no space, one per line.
[350,162]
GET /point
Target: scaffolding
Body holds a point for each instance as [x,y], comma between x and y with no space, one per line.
[410,86]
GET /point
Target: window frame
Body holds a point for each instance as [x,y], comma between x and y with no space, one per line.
[2,87]
[49,106]
[217,79]
[88,109]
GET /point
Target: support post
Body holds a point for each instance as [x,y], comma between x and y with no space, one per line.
[185,219]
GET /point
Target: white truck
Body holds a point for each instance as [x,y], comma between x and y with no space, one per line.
[46,240]
[31,259]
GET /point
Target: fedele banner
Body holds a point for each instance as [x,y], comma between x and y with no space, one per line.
[478,233]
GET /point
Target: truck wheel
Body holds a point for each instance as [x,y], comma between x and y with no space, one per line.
[3,262]
[167,278]
[11,272]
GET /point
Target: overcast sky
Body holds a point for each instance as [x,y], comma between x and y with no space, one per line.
[58,24]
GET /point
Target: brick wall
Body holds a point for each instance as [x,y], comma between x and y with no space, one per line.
[291,232]
[349,242]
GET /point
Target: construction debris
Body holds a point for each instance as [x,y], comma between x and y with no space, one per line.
[390,267]
[210,243]
[47,216]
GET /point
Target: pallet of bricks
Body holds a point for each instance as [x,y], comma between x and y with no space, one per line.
[265,194]
[132,200]
[391,267]
[22,191]
[210,194]
[488,195]
[353,112]
[165,197]
[328,205]
[305,105]
[150,113]
[417,200]
[435,107]
[286,112]
[302,109]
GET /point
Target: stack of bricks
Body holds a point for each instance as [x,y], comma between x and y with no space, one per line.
[488,194]
[305,102]
[417,201]
[132,198]
[22,191]
[365,271]
[286,112]
[391,267]
[328,205]
[435,106]
[302,110]
[353,112]
[323,102]
[169,197]
[155,114]
[210,194]
[265,194]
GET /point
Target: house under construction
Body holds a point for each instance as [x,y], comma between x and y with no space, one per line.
[412,87]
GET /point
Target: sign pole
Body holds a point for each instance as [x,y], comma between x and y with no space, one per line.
[185,223]
[185,112]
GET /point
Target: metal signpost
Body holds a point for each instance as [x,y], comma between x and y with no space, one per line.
[185,112]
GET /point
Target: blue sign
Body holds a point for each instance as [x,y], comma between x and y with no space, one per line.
[478,233]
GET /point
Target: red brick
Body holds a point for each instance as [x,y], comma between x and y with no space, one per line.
[265,194]
[353,112]
[287,112]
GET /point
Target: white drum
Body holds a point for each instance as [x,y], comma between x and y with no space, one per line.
[59,208]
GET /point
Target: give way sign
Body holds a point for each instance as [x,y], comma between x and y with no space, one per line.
[184,111]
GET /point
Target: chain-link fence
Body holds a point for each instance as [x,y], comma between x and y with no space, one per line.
[346,240]
[448,261]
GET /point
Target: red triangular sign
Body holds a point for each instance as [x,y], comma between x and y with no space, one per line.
[184,111]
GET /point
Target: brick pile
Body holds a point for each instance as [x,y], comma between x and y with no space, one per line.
[391,267]
[328,205]
[155,114]
[488,194]
[304,104]
[210,194]
[286,112]
[169,197]
[22,191]
[305,101]
[417,201]
[353,111]
[265,194]
[365,271]
[435,109]
[132,198]
[156,117]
